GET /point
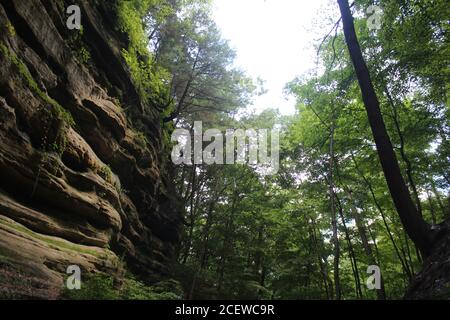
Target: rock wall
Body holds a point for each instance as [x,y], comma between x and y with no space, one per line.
[79,184]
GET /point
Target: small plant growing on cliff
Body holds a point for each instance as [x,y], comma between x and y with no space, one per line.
[79,47]
[11,29]
[141,139]
[84,55]
[117,102]
[106,173]
[59,147]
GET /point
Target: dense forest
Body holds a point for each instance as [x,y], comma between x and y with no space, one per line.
[364,173]
[354,188]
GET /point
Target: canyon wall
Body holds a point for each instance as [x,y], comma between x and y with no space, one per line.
[79,183]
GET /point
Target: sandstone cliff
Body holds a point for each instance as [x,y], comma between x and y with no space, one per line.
[79,184]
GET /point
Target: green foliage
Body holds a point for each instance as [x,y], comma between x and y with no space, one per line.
[59,146]
[271,237]
[79,46]
[135,290]
[106,173]
[84,55]
[11,29]
[150,79]
[94,287]
[53,242]
[141,139]
[104,287]
[250,236]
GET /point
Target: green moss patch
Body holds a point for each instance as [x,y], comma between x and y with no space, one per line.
[52,242]
[57,110]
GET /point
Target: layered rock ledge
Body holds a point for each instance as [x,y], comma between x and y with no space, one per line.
[78,183]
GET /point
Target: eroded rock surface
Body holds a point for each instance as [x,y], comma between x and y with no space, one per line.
[91,191]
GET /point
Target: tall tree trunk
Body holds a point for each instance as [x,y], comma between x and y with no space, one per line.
[417,229]
[351,252]
[203,255]
[381,293]
[405,158]
[404,264]
[337,283]
[432,212]
[408,252]
[260,269]
[360,226]
[439,200]
[191,214]
[323,268]
[227,241]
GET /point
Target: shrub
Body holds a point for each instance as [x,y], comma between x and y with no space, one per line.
[104,287]
[95,287]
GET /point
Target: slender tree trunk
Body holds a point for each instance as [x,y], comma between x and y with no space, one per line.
[227,241]
[381,294]
[203,256]
[259,259]
[405,267]
[191,215]
[407,260]
[439,200]
[405,158]
[192,220]
[432,211]
[417,229]
[351,252]
[408,252]
[337,283]
[322,266]
[366,245]
[375,246]
[181,184]
[185,94]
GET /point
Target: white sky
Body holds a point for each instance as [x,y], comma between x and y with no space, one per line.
[274,40]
